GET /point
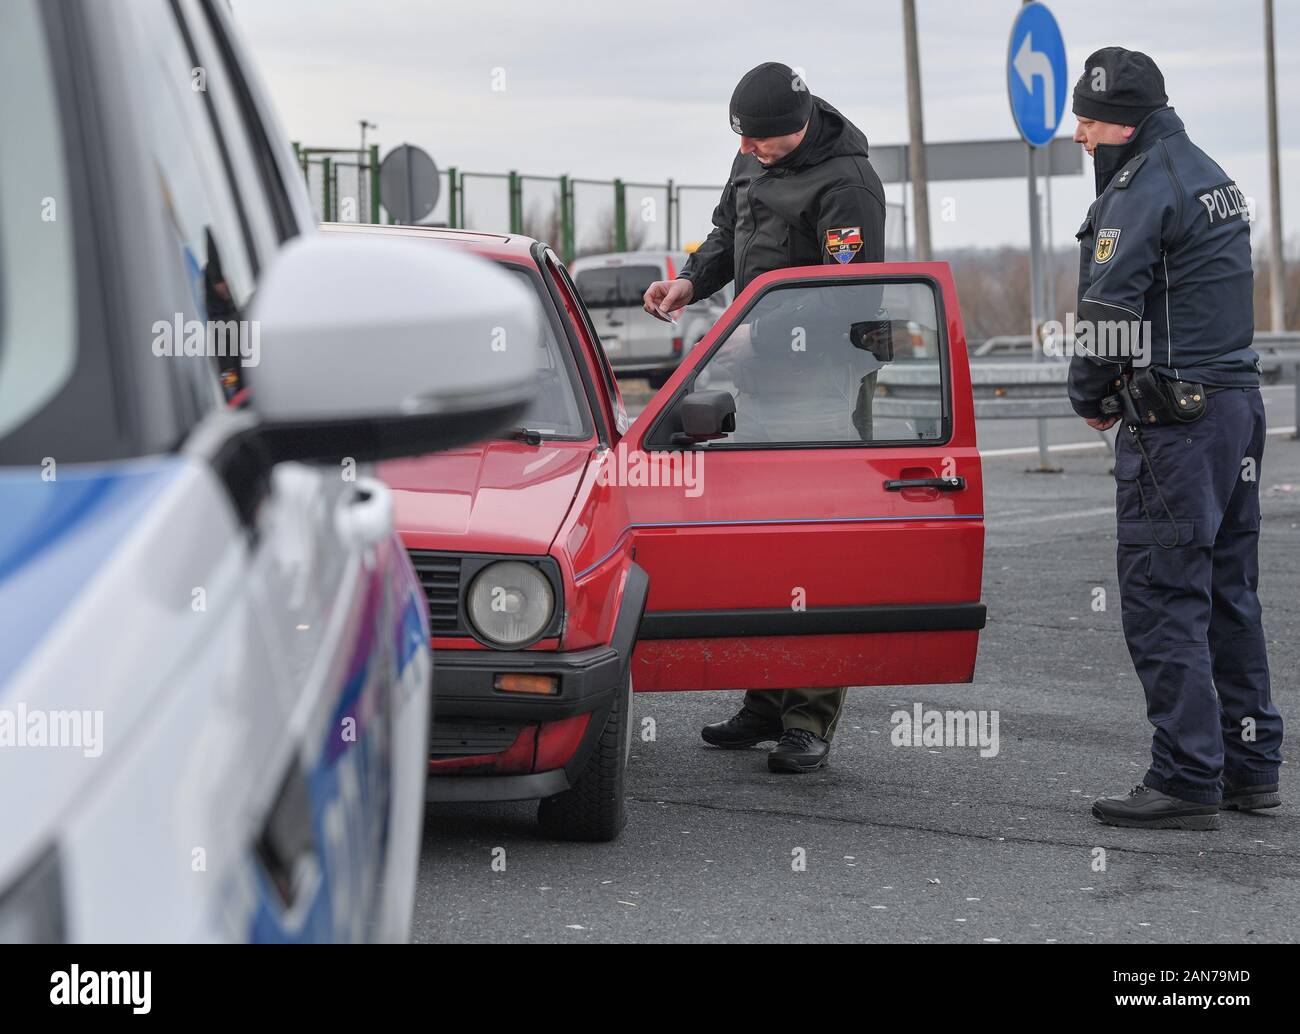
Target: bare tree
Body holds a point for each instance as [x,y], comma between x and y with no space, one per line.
[544,225]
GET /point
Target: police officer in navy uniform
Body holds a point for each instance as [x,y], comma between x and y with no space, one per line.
[801,192]
[1167,243]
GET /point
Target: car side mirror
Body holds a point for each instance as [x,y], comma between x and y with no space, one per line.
[705,416]
[374,348]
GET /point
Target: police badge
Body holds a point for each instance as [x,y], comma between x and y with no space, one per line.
[1107,242]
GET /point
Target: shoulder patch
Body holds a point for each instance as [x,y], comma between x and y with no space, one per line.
[844,243]
[1104,250]
[1225,203]
[1130,170]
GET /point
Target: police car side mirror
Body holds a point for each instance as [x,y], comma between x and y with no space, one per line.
[375,347]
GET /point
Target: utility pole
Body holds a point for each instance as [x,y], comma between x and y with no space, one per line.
[916,128]
[1276,272]
[364,126]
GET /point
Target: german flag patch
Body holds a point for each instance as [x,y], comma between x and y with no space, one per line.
[844,243]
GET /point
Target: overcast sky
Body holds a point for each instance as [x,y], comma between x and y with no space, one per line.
[640,90]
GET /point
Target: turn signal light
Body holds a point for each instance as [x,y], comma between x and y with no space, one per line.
[540,685]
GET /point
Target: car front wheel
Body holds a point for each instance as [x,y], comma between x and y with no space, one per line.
[593,808]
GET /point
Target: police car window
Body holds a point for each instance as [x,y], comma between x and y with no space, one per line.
[190,182]
[556,411]
[38,289]
[261,188]
[841,363]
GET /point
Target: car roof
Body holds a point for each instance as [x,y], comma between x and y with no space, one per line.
[501,246]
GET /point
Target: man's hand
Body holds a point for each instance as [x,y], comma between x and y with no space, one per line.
[668,296]
[1101,423]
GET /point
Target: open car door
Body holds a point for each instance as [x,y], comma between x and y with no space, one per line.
[805,492]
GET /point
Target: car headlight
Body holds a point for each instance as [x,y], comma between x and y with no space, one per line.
[31,908]
[510,603]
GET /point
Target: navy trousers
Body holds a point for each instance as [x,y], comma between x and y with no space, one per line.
[1188,588]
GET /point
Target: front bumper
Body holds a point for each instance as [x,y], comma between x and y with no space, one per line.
[463,682]
[589,682]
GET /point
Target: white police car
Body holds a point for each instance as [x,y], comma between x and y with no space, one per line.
[214,696]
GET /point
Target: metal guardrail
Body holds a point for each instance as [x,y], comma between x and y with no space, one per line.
[1017,385]
[1024,389]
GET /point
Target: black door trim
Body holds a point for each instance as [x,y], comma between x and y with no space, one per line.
[771,621]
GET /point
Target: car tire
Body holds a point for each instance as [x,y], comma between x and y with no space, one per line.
[593,809]
[658,380]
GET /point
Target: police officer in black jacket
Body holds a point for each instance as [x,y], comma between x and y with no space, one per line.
[801,192]
[1165,251]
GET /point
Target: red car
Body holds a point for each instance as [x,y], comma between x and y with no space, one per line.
[800,505]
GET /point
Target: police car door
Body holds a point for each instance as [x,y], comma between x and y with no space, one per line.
[833,533]
[324,580]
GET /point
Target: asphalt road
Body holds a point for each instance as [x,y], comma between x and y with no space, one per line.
[908,844]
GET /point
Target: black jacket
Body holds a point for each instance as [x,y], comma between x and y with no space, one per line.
[1166,241]
[790,213]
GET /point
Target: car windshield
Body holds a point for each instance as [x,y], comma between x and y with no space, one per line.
[560,409]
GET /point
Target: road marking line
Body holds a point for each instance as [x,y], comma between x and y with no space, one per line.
[1032,450]
[1072,515]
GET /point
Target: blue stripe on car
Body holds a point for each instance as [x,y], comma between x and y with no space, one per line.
[55,535]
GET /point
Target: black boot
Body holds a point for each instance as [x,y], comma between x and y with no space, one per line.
[1145,808]
[1250,798]
[744,730]
[798,751]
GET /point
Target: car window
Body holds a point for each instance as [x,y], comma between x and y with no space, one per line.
[598,288]
[189,178]
[611,287]
[635,280]
[38,285]
[266,202]
[839,363]
[556,411]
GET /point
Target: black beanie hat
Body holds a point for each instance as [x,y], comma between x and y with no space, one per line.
[770,100]
[1120,86]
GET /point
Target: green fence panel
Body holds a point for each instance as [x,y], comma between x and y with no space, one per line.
[647,216]
[485,201]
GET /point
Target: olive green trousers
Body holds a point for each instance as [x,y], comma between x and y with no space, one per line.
[817,710]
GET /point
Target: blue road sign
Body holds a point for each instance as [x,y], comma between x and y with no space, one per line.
[1036,74]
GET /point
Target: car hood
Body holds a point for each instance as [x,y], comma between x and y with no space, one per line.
[496,497]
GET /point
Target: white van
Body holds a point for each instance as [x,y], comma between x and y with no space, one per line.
[637,344]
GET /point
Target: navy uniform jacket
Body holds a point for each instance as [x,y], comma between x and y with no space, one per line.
[1167,240]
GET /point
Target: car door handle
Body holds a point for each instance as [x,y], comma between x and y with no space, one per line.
[954,484]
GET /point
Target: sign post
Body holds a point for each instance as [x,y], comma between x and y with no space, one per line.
[1036,87]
